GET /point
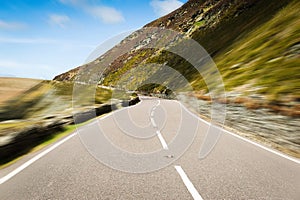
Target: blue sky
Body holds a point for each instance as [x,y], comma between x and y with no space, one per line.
[40,39]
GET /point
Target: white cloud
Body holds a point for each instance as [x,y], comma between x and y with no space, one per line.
[59,20]
[108,15]
[11,25]
[163,7]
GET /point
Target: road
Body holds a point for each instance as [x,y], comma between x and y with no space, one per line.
[235,169]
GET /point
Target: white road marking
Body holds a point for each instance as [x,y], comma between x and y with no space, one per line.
[32,160]
[160,137]
[37,157]
[263,147]
[153,122]
[152,114]
[245,139]
[158,103]
[162,140]
[189,185]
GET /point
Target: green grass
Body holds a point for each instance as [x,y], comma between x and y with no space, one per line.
[113,77]
[263,57]
[199,23]
[68,129]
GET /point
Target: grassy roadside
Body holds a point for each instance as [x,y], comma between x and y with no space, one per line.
[52,139]
[48,141]
[37,117]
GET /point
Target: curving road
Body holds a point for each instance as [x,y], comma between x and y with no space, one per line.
[161,130]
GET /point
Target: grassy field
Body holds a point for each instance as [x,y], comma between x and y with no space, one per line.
[11,87]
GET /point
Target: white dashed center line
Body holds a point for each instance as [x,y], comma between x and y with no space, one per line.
[162,140]
[153,123]
[160,137]
[189,185]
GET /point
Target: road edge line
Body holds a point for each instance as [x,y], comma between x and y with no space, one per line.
[35,158]
[54,146]
[246,139]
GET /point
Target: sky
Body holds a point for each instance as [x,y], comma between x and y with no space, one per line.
[41,39]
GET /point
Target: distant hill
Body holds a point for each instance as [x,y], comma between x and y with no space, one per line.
[255,44]
[6,75]
[11,87]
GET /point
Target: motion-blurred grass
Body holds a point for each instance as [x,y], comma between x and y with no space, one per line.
[39,115]
[267,59]
[47,141]
[46,99]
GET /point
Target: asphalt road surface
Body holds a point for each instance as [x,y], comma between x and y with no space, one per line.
[154,155]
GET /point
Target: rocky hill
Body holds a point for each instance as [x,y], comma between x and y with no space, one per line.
[255,45]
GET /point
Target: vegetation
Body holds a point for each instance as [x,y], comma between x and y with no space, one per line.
[37,146]
[255,45]
[48,98]
[114,76]
[267,58]
[42,115]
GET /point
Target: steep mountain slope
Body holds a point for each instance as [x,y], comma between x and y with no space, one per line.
[255,45]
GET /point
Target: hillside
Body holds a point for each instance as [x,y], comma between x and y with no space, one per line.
[249,40]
